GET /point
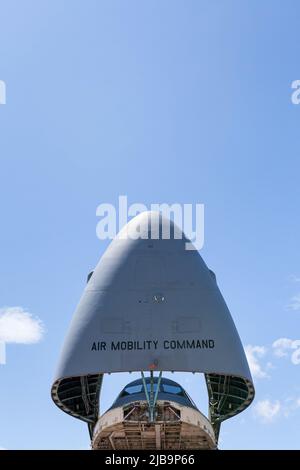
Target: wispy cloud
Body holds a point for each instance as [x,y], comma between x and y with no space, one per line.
[17,325]
[254,354]
[267,410]
[294,303]
[283,347]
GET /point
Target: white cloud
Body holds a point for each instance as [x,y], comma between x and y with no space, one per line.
[19,326]
[295,357]
[281,346]
[254,353]
[294,303]
[267,410]
[284,346]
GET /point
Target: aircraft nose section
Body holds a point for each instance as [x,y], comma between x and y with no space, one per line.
[151,226]
[152,301]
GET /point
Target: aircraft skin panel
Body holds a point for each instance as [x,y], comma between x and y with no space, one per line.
[152,305]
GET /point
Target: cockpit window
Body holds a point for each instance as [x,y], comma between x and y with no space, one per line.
[133,389]
[166,388]
[138,389]
[172,389]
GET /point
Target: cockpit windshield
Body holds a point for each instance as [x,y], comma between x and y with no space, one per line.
[132,389]
[164,388]
[168,390]
[173,389]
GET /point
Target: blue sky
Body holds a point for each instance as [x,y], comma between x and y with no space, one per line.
[164,101]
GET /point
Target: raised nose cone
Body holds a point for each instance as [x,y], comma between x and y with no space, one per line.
[151,226]
[151,303]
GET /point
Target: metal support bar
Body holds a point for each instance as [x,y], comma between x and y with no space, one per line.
[145,388]
[152,398]
[157,388]
[128,414]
